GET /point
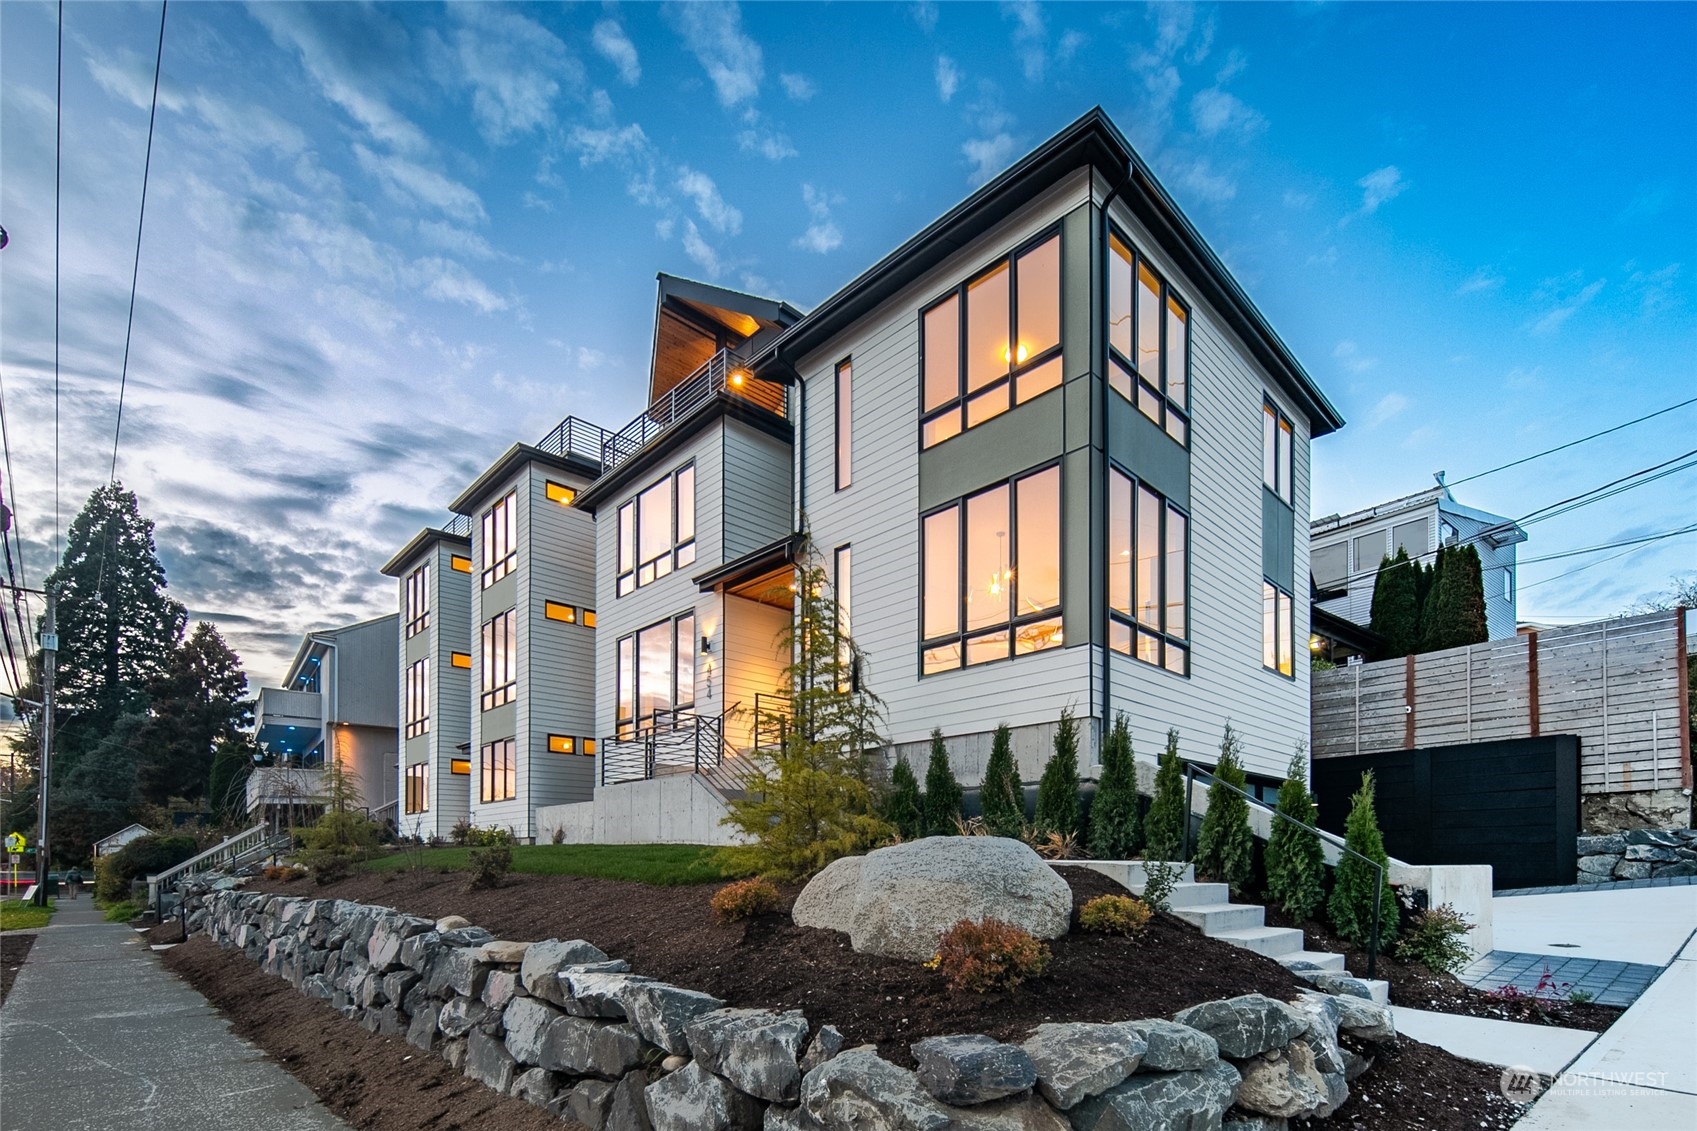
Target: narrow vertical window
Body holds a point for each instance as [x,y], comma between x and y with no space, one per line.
[1148,572]
[1119,543]
[845,424]
[987,355]
[684,664]
[418,600]
[1277,630]
[654,532]
[1039,287]
[1285,479]
[499,549]
[686,515]
[1176,554]
[626,686]
[418,698]
[627,548]
[1148,577]
[653,671]
[1038,504]
[941,617]
[942,353]
[842,593]
[1277,436]
[989,559]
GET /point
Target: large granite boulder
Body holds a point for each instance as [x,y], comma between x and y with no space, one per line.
[1171,1101]
[905,896]
[972,1069]
[1246,1026]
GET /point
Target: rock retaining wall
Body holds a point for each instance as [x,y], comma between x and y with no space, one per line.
[1640,854]
[561,1025]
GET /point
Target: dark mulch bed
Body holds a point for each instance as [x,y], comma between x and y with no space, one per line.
[381,1083]
[1413,1085]
[1415,986]
[14,948]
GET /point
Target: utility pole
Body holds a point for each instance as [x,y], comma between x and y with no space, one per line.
[49,659]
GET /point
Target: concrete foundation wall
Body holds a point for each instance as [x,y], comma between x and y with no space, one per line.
[675,809]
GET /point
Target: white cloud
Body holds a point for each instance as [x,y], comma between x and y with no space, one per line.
[1483,279]
[1030,37]
[769,144]
[1388,406]
[1349,355]
[615,46]
[989,155]
[700,188]
[800,88]
[924,13]
[410,182]
[456,239]
[611,142]
[948,77]
[713,33]
[700,250]
[1215,111]
[450,282]
[513,65]
[822,235]
[1566,301]
[1205,182]
[1657,290]
[1380,186]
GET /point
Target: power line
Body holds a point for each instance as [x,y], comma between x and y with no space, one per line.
[1574,443]
[58,163]
[141,217]
[1657,537]
[1605,561]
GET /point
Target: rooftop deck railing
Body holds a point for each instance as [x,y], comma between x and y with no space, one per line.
[722,373]
[574,437]
[460,524]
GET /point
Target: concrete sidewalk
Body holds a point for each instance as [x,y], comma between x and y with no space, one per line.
[1636,925]
[97,1036]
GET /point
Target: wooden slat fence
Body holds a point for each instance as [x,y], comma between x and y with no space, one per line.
[1617,684]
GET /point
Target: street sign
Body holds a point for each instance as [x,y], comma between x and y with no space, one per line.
[50,642]
[15,843]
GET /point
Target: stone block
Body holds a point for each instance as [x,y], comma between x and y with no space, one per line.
[1172,1101]
[756,1050]
[693,1099]
[860,1089]
[544,960]
[972,1069]
[1245,1026]
[1081,1059]
[1172,1047]
[488,1062]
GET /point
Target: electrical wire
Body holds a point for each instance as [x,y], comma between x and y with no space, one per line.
[1605,561]
[1573,443]
[141,217]
[1692,529]
[58,163]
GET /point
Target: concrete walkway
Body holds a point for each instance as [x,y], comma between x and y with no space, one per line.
[97,1036]
[1547,1049]
[1640,925]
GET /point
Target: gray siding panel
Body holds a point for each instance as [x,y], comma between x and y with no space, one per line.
[756,474]
[1278,542]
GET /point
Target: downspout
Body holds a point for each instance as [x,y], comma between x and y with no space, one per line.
[1105,621]
[801,449]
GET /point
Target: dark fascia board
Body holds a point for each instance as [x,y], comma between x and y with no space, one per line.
[1324,623]
[727,405]
[707,294]
[752,564]
[406,555]
[1093,140]
[511,460]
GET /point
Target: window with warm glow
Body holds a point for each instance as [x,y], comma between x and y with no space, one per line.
[562,744]
[500,659]
[500,549]
[554,610]
[657,531]
[1276,630]
[418,698]
[460,563]
[655,674]
[560,493]
[418,600]
[992,343]
[991,574]
[1148,340]
[499,775]
[418,788]
[460,659]
[845,424]
[1276,439]
[1148,575]
[459,766]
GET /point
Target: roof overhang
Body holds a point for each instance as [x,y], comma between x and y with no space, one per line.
[731,318]
[511,461]
[751,566]
[1091,141]
[1342,629]
[406,555]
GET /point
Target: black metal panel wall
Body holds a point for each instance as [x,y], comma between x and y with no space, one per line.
[1513,805]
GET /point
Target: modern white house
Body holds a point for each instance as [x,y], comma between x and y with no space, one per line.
[1048,452]
[1345,551]
[337,702]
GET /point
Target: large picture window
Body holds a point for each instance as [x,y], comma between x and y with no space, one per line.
[992,574]
[418,788]
[1148,340]
[1148,575]
[992,343]
[1276,434]
[418,698]
[1277,635]
[656,673]
[418,600]
[657,530]
[499,772]
[500,659]
[500,549]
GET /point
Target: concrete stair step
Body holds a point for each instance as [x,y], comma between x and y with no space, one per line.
[1270,941]
[1214,918]
[1197,895]
[1380,988]
[1324,959]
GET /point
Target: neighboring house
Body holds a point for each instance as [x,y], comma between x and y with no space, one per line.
[1048,452]
[435,575]
[338,700]
[112,842]
[1345,552]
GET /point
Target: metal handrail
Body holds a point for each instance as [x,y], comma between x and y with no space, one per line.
[1193,771]
[721,373]
[460,525]
[765,718]
[638,754]
[575,437]
[231,847]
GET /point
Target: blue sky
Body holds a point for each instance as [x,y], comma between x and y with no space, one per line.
[383,242]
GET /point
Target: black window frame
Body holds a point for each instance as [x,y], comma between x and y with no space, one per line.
[498,695]
[1185,643]
[417,720]
[418,600]
[1119,364]
[1290,606]
[637,723]
[490,771]
[507,506]
[962,635]
[957,404]
[417,791]
[1284,453]
[843,411]
[681,554]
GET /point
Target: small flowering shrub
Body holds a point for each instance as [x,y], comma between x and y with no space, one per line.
[1115,915]
[988,955]
[744,900]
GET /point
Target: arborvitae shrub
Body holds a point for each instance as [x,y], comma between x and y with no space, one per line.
[942,791]
[1114,828]
[1057,790]
[1296,864]
[1351,905]
[904,805]
[1002,796]
[1163,828]
[1225,848]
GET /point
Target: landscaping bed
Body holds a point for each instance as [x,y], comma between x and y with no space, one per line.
[1416,987]
[14,948]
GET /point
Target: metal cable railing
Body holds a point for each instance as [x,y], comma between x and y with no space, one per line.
[460,524]
[674,742]
[574,437]
[721,373]
[1193,771]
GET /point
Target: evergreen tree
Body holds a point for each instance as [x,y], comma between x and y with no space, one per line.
[226,789]
[1225,847]
[1351,904]
[1396,613]
[1455,613]
[1114,831]
[1002,796]
[197,702]
[1057,789]
[1426,580]
[904,805]
[808,800]
[98,792]
[1296,865]
[942,792]
[1164,826]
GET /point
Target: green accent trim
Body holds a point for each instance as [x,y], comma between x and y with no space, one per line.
[1077,291]
[993,452]
[1083,546]
[1142,448]
[1278,542]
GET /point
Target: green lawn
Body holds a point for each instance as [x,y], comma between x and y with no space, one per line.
[662,864]
[16,915]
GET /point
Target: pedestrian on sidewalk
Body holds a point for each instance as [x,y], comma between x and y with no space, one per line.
[73,882]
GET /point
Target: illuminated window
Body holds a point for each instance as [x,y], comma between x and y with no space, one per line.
[1276,433]
[589,746]
[991,574]
[418,600]
[459,766]
[553,610]
[500,659]
[655,674]
[460,563]
[588,616]
[1148,575]
[1276,630]
[1148,340]
[845,424]
[560,493]
[562,744]
[992,343]
[657,531]
[418,788]
[418,698]
[460,659]
[499,549]
[499,772]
